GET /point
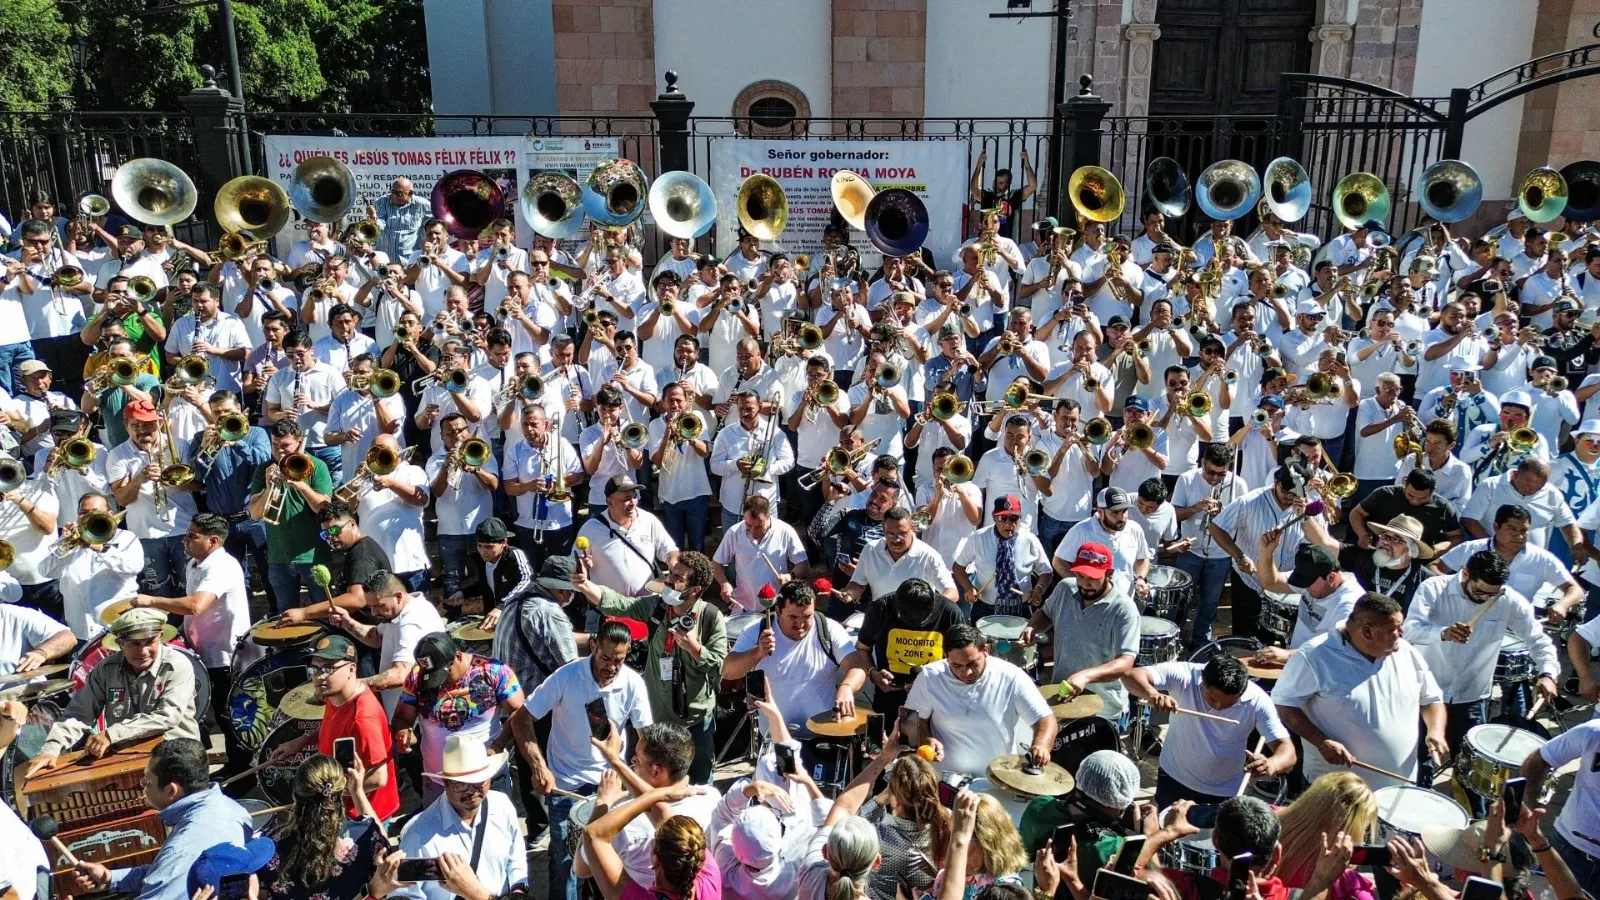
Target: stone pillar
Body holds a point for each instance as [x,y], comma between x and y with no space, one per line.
[1140,52]
[1331,53]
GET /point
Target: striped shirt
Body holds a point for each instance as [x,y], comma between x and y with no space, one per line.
[535,636]
[1248,518]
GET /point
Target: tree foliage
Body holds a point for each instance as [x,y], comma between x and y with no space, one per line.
[294,55]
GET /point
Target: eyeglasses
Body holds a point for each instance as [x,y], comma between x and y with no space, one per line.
[325,671]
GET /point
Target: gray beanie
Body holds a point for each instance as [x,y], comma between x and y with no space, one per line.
[1108,778]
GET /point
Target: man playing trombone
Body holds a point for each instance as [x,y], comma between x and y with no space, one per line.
[94,562]
[75,464]
[942,423]
[751,454]
[147,482]
[679,448]
[287,494]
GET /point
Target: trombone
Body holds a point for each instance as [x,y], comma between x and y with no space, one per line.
[95,529]
[379,461]
[192,370]
[231,429]
[77,453]
[113,373]
[471,453]
[295,467]
[838,463]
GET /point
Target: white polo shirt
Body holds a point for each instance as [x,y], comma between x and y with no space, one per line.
[1317,616]
[1191,489]
[321,384]
[978,554]
[22,629]
[1546,508]
[1466,671]
[1127,546]
[754,561]
[616,565]
[400,635]
[397,525]
[1581,812]
[213,633]
[1531,569]
[883,575]
[800,673]
[352,409]
[1208,756]
[462,508]
[1369,706]
[31,545]
[573,760]
[979,721]
[225,332]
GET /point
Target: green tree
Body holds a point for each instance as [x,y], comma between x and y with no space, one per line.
[36,69]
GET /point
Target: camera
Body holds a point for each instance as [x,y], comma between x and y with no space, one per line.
[684,622]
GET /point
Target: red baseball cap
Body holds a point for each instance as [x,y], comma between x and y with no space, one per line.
[1008,505]
[1094,561]
[140,411]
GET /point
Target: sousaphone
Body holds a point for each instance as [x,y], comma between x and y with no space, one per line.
[468,202]
[552,205]
[897,222]
[154,191]
[322,189]
[1450,191]
[1166,187]
[1542,195]
[1583,190]
[615,193]
[252,204]
[1358,198]
[683,205]
[1096,194]
[1227,190]
[1287,189]
[851,194]
[762,207]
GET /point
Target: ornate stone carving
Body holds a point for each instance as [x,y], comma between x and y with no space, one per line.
[1332,51]
[1140,52]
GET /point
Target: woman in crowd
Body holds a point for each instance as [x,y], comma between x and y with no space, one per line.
[993,853]
[680,856]
[911,822]
[1338,801]
[321,853]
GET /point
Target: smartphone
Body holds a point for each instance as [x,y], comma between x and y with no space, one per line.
[1061,840]
[786,762]
[755,685]
[234,887]
[908,721]
[1480,888]
[344,752]
[599,722]
[415,870]
[1131,848]
[1375,855]
[1239,876]
[1109,885]
[875,733]
[1511,793]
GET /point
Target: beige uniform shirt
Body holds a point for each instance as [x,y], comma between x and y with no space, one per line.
[160,701]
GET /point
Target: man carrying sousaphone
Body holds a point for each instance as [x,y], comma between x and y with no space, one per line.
[287,494]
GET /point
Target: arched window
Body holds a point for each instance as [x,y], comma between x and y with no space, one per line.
[771,109]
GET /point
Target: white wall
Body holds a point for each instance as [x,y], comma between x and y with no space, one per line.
[490,57]
[719,47]
[1461,43]
[978,66]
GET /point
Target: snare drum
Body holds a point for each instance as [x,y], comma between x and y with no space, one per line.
[1404,809]
[577,821]
[1560,632]
[471,638]
[1193,853]
[1158,641]
[1515,665]
[1279,613]
[1491,754]
[1005,640]
[1171,593]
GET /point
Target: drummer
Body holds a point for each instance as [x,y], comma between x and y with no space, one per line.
[1096,629]
[1458,622]
[1203,760]
[363,557]
[29,638]
[971,706]
[1002,570]
[1532,567]
[1326,592]
[146,689]
[900,634]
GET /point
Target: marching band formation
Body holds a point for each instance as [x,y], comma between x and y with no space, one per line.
[937,548]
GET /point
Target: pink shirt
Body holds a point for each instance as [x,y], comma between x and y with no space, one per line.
[707,885]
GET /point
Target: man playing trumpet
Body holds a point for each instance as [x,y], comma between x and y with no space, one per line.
[287,494]
[679,447]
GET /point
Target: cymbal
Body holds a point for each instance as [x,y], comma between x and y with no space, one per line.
[26,692]
[36,673]
[110,642]
[302,703]
[1081,706]
[268,633]
[467,630]
[109,613]
[829,724]
[1266,673]
[1050,781]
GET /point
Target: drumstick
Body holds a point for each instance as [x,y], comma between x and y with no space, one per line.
[1486,607]
[35,673]
[272,811]
[1358,764]
[564,793]
[245,774]
[1260,743]
[775,573]
[1200,715]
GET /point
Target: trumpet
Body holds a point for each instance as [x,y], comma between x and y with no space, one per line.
[1522,440]
[471,453]
[295,467]
[95,529]
[1259,418]
[811,338]
[1556,385]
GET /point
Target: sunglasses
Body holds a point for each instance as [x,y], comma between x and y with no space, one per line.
[331,531]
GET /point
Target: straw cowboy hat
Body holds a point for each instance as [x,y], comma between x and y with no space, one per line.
[465,759]
[1409,530]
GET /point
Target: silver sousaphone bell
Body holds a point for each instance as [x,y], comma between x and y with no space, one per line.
[897,222]
[552,205]
[851,194]
[615,193]
[154,191]
[683,205]
[1583,190]
[1450,191]
[1286,189]
[1166,187]
[1227,190]
[322,189]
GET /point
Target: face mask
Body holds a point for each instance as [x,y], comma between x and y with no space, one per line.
[671,596]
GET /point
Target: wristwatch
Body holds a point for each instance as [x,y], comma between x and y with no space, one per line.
[1487,855]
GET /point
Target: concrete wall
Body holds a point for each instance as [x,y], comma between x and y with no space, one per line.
[491,57]
[758,40]
[978,66]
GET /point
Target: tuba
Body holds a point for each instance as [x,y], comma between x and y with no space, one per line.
[1450,191]
[154,191]
[683,205]
[94,206]
[468,202]
[322,189]
[1542,195]
[1583,190]
[1287,189]
[615,193]
[251,204]
[1227,190]
[763,207]
[552,205]
[1166,187]
[1358,198]
[897,222]
[851,197]
[1096,194]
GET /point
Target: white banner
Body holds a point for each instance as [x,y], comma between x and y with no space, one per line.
[933,170]
[378,161]
[576,156]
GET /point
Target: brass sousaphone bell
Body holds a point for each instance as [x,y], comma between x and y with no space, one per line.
[1542,194]
[552,205]
[254,205]
[762,206]
[154,191]
[683,205]
[1286,189]
[1450,191]
[1228,189]
[1583,190]
[1166,187]
[1358,198]
[1096,194]
[851,195]
[615,193]
[322,189]
[468,202]
[897,222]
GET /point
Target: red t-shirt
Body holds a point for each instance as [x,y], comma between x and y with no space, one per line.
[363,719]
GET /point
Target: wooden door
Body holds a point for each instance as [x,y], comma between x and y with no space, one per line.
[1223,57]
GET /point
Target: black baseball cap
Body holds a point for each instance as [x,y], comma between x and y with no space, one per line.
[435,653]
[1311,561]
[491,531]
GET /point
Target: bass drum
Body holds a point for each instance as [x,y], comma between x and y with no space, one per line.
[258,689]
[277,780]
[30,738]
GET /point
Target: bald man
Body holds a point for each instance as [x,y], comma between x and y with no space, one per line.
[402,215]
[391,512]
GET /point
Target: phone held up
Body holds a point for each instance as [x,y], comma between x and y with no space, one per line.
[599,721]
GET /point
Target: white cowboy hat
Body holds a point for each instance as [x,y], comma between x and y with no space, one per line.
[1410,530]
[465,759]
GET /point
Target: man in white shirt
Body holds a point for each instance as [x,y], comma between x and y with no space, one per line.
[391,511]
[626,543]
[1238,530]
[303,394]
[802,652]
[468,809]
[212,334]
[751,454]
[496,263]
[1325,593]
[402,620]
[436,267]
[343,342]
[1001,570]
[1354,693]
[1527,486]
[464,497]
[1200,495]
[765,554]
[972,707]
[1452,477]
[898,556]
[157,515]
[1379,420]
[1575,838]
[29,638]
[216,614]
[1456,338]
[357,417]
[92,576]
[533,468]
[1130,554]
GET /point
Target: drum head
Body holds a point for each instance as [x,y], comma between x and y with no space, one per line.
[1080,737]
[1168,577]
[268,633]
[1239,647]
[467,631]
[1408,808]
[256,694]
[1150,626]
[277,780]
[1504,744]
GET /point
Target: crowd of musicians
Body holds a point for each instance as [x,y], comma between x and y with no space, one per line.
[899,529]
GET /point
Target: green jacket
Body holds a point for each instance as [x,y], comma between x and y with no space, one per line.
[700,678]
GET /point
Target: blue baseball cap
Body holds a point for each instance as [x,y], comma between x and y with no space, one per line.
[223,860]
[1272,400]
[1139,403]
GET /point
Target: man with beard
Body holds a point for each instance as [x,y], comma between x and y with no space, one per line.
[850,535]
[1456,338]
[1415,498]
[1108,527]
[1457,622]
[970,705]
[1532,567]
[900,634]
[1096,628]
[402,620]
[1396,564]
